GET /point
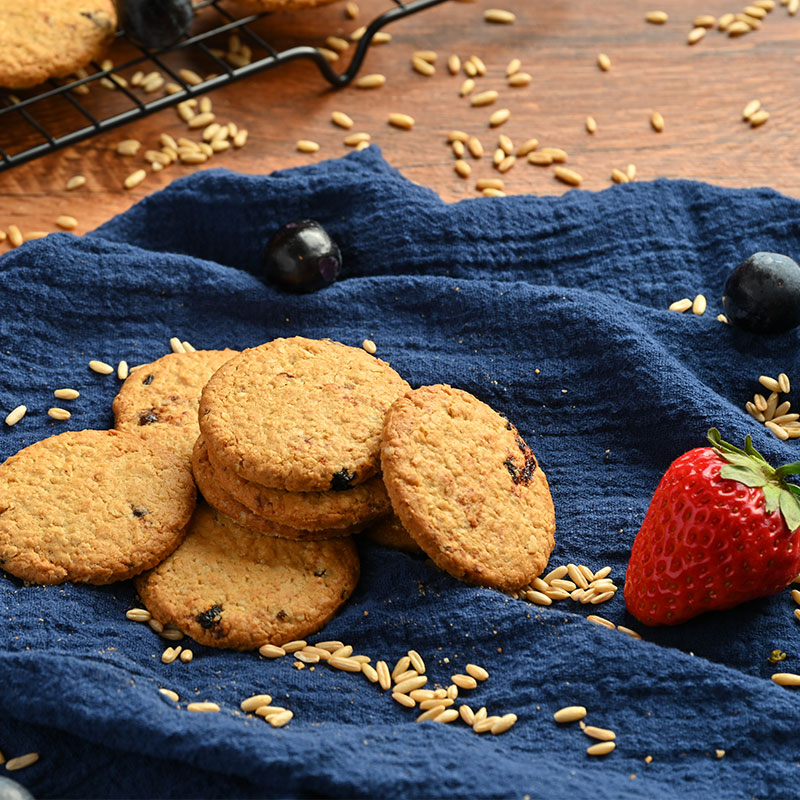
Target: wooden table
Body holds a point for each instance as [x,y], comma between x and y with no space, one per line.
[700,90]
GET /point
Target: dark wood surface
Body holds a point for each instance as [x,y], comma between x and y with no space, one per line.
[700,90]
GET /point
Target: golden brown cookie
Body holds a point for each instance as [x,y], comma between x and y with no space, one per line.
[467,487]
[41,39]
[91,506]
[301,415]
[216,496]
[229,587]
[307,510]
[389,532]
[159,401]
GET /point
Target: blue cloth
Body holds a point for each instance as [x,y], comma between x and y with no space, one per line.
[552,310]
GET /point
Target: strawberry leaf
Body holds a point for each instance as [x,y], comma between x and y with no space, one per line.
[772,497]
[743,474]
[790,508]
[750,468]
[752,452]
[787,469]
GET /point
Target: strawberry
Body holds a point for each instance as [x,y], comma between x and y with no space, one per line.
[723,527]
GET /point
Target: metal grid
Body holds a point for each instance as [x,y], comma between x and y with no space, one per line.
[35,114]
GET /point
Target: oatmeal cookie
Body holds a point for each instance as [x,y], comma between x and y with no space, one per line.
[229,587]
[467,488]
[91,506]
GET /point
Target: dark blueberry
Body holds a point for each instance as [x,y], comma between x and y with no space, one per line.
[302,257]
[155,23]
[762,295]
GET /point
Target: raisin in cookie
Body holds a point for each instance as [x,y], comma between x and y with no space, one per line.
[301,415]
[159,401]
[91,506]
[41,39]
[467,488]
[229,587]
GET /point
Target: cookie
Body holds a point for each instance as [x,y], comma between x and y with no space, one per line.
[308,510]
[230,587]
[159,401]
[389,532]
[300,415]
[216,496]
[41,39]
[91,506]
[467,488]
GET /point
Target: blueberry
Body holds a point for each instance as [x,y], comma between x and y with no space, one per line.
[762,295]
[11,790]
[155,23]
[302,257]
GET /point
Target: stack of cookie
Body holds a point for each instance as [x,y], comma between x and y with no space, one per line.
[290,438]
[287,454]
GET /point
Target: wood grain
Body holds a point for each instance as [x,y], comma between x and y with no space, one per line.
[700,90]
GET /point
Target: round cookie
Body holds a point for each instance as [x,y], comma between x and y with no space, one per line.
[216,496]
[306,510]
[389,532]
[467,488]
[41,39]
[229,587]
[159,401]
[299,414]
[91,506]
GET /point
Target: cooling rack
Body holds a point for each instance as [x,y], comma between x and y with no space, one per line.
[56,114]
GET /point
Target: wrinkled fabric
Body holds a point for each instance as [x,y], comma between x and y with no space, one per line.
[551,309]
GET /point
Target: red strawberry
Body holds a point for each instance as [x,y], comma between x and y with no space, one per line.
[723,527]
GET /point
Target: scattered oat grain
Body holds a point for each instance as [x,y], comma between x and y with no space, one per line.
[16,415]
[681,305]
[520,79]
[696,34]
[570,714]
[600,749]
[373,81]
[699,305]
[657,122]
[202,707]
[21,762]
[422,66]
[403,121]
[786,679]
[499,117]
[484,98]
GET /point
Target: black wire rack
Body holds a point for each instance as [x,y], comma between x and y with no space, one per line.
[36,122]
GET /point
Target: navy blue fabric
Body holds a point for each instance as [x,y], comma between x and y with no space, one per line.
[552,310]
